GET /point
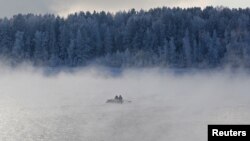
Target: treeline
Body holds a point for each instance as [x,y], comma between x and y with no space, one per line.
[167,37]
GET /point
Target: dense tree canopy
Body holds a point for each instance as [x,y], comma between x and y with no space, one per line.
[168,37]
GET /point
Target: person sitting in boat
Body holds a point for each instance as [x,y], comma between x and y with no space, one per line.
[116,97]
[120,98]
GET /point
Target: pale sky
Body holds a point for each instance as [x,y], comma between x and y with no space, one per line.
[64,7]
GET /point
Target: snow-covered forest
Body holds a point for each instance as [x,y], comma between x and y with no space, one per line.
[165,37]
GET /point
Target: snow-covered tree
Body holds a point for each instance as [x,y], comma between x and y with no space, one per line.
[172,37]
[17,50]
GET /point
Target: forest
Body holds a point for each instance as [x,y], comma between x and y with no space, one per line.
[161,37]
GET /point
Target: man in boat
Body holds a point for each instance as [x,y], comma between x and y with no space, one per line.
[116,97]
[120,98]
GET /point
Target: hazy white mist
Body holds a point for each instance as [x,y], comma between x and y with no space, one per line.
[165,105]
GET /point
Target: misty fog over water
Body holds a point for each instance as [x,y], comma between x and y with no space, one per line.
[70,106]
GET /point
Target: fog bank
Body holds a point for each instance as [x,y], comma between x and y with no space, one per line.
[165,105]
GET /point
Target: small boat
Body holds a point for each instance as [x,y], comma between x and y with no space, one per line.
[116,101]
